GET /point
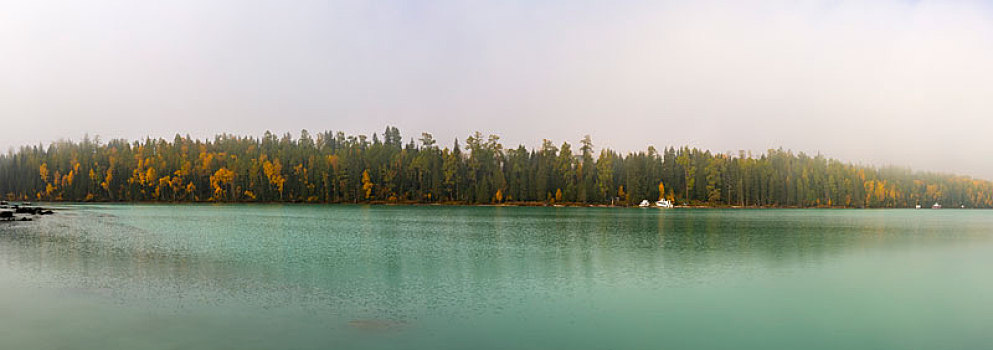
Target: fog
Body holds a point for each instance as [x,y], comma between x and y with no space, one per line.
[907,83]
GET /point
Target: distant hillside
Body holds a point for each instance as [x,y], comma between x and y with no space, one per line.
[334,167]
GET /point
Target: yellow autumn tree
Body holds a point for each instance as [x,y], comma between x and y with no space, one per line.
[176,185]
[205,158]
[498,196]
[93,176]
[164,184]
[273,172]
[223,183]
[68,178]
[150,178]
[43,171]
[367,184]
[661,190]
[106,181]
[191,190]
[49,189]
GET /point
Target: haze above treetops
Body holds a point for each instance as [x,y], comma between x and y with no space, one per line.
[872,82]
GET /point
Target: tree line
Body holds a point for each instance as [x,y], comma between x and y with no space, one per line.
[337,168]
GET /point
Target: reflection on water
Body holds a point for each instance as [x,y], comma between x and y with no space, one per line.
[314,276]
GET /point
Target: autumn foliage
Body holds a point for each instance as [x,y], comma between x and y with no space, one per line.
[334,167]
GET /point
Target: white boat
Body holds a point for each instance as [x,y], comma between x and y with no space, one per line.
[663,203]
[936,206]
[644,204]
[918,206]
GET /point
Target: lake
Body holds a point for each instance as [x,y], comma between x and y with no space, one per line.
[425,277]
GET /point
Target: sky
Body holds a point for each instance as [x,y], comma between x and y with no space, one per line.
[906,83]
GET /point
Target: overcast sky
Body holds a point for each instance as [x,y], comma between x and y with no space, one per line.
[907,83]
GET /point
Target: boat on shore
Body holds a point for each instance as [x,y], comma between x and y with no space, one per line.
[663,203]
[936,206]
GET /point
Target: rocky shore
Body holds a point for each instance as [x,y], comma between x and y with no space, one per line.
[21,211]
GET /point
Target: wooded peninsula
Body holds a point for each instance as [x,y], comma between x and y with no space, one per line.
[338,168]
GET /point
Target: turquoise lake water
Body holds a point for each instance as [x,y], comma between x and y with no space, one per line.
[412,277]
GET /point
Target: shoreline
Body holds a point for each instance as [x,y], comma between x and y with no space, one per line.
[506,204]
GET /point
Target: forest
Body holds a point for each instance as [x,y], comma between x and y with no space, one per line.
[337,168]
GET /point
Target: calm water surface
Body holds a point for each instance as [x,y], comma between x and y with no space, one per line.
[361,277]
